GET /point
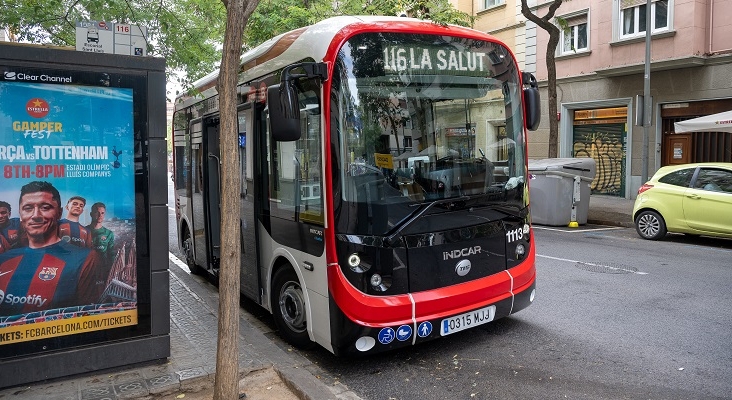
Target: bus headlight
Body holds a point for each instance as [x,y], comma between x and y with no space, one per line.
[520,251]
[356,264]
[380,283]
[354,260]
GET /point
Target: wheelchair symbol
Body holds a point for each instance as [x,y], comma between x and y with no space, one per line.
[386,335]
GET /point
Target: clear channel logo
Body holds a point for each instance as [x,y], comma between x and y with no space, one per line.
[21,76]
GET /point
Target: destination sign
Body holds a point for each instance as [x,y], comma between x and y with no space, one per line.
[431,60]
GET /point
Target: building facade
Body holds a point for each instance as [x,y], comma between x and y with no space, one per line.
[502,19]
[600,64]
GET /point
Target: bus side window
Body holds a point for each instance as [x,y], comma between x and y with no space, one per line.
[296,186]
[245,151]
[181,152]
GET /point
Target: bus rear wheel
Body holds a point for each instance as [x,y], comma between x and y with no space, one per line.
[288,308]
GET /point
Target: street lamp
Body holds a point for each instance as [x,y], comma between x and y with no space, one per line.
[647,101]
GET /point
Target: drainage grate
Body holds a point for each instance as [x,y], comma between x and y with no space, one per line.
[607,269]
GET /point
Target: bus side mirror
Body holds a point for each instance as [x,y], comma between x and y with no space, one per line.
[284,112]
[532,102]
[283,101]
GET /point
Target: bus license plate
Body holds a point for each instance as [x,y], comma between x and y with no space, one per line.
[468,320]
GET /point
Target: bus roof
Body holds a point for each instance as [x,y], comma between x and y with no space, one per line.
[313,42]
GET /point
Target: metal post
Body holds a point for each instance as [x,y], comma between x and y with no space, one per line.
[576,199]
[648,101]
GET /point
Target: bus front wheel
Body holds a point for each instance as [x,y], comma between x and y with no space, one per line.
[188,251]
[288,308]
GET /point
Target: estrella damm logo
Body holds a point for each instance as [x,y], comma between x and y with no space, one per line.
[37,107]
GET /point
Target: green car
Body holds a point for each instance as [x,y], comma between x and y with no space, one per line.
[694,199]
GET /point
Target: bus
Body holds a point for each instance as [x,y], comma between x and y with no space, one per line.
[384,181]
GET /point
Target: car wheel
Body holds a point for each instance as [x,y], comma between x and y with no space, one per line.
[288,308]
[650,225]
[188,251]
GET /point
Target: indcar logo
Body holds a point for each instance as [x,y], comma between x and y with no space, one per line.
[37,107]
[468,251]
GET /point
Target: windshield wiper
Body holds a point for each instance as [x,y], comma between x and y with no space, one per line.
[391,239]
[513,211]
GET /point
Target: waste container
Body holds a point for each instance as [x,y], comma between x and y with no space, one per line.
[559,190]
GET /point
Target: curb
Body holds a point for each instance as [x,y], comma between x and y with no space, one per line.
[304,384]
[610,222]
[300,381]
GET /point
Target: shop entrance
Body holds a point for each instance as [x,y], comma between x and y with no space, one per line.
[694,147]
[602,134]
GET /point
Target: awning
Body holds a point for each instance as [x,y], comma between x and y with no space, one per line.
[721,122]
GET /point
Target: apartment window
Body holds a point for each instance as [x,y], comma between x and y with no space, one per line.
[574,36]
[633,17]
[491,3]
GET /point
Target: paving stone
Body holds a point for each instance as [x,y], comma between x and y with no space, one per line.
[130,390]
[191,373]
[125,377]
[192,364]
[162,383]
[98,393]
[65,391]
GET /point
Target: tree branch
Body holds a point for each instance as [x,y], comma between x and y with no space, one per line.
[543,22]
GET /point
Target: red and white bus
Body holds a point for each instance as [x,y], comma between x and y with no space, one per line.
[384,198]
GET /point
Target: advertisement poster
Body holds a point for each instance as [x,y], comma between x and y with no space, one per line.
[67,210]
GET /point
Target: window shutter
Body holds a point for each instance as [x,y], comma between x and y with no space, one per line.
[630,3]
[576,20]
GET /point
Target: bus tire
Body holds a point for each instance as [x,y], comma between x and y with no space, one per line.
[188,252]
[288,308]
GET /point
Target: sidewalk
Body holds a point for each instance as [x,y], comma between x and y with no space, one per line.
[610,210]
[190,370]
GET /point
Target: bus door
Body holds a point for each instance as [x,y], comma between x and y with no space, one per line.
[249,271]
[198,222]
[292,211]
[207,196]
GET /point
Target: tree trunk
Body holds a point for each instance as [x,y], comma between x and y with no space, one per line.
[227,353]
[551,68]
[553,30]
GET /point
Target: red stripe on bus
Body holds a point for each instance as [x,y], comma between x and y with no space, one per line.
[380,311]
[463,297]
[367,310]
[525,274]
[276,50]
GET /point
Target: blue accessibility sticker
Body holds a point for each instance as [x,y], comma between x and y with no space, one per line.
[386,335]
[424,329]
[404,332]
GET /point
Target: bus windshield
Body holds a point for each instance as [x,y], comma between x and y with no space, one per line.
[421,119]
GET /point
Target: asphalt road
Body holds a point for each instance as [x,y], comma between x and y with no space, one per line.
[616,317]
